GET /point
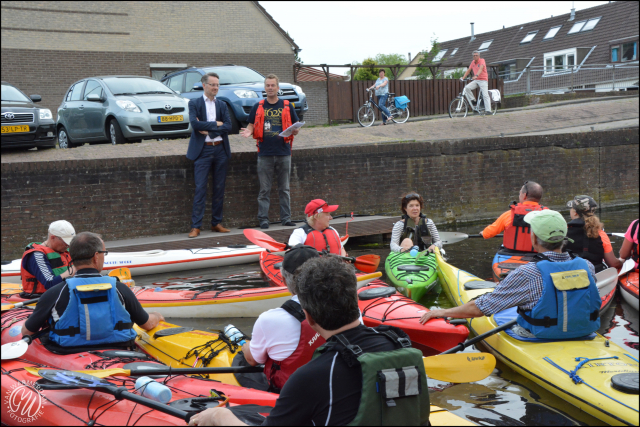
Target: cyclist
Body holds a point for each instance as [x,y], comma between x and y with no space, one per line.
[480,79]
[382,92]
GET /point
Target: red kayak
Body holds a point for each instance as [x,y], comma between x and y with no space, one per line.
[629,288]
[382,304]
[82,406]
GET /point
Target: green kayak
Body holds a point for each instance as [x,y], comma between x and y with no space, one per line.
[414,278]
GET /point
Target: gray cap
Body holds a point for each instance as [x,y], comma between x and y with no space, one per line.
[297,256]
[582,204]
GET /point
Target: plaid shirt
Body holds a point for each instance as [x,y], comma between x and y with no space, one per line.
[522,287]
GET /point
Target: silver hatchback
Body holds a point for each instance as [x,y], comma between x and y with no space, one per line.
[121,109]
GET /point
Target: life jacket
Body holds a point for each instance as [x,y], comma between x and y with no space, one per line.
[394,383]
[258,125]
[570,303]
[59,262]
[278,372]
[634,246]
[94,316]
[419,234]
[323,240]
[583,246]
[518,236]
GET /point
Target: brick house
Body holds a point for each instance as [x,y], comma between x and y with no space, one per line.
[46,46]
[552,47]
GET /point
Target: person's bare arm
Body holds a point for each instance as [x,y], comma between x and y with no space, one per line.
[611,260]
[480,68]
[248,131]
[154,319]
[25,331]
[467,310]
[466,73]
[246,350]
[625,250]
[215,417]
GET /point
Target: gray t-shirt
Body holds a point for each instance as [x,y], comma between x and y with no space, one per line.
[384,90]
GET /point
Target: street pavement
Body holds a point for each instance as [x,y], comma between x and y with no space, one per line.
[562,118]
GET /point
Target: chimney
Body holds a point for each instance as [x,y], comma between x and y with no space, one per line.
[573,12]
[409,57]
[473,37]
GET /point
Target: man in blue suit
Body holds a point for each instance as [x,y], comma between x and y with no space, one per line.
[209,150]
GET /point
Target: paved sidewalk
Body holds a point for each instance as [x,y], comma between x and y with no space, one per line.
[522,121]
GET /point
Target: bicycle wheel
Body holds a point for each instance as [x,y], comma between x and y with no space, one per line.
[458,108]
[400,116]
[366,116]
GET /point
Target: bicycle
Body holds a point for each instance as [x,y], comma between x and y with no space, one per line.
[459,107]
[366,113]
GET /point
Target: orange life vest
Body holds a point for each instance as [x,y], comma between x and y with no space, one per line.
[518,236]
[323,240]
[258,125]
[59,262]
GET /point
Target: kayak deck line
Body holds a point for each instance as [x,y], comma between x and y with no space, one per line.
[154,264]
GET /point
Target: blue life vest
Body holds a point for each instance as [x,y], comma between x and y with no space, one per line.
[95,315]
[570,303]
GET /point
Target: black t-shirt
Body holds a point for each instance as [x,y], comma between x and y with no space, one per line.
[326,391]
[272,144]
[60,293]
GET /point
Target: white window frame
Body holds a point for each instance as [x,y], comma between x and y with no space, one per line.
[454,52]
[548,37]
[552,71]
[530,33]
[440,55]
[482,49]
[587,23]
[575,29]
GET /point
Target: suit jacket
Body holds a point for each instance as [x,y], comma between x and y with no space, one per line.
[198,110]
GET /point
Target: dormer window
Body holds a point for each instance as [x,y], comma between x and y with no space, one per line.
[454,51]
[552,33]
[529,37]
[440,55]
[584,25]
[485,45]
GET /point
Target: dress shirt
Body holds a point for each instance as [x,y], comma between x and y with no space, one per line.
[211,116]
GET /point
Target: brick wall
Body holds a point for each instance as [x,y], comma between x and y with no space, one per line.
[465,180]
[317,98]
[525,100]
[50,73]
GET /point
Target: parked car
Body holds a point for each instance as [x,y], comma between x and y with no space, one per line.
[120,109]
[240,87]
[23,124]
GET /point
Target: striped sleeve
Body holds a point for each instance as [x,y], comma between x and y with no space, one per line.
[395,236]
[435,236]
[39,266]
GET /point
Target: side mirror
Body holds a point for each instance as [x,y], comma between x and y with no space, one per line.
[35,98]
[94,97]
[197,86]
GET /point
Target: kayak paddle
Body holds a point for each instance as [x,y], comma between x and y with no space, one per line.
[123,274]
[14,350]
[11,288]
[479,338]
[160,370]
[449,237]
[627,267]
[6,307]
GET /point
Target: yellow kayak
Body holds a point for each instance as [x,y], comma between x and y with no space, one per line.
[549,363]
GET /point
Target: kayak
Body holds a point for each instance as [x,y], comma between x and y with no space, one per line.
[606,389]
[629,288]
[410,275]
[381,304]
[506,260]
[80,406]
[161,261]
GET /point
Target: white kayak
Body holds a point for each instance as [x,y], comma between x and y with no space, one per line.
[160,261]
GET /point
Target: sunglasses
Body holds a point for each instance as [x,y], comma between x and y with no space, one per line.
[321,208]
[103,252]
[526,189]
[412,196]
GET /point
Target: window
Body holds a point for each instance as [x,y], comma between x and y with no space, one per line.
[76,95]
[548,66]
[440,55]
[485,45]
[591,24]
[563,60]
[191,80]
[552,33]
[507,71]
[175,82]
[454,51]
[615,53]
[93,87]
[629,51]
[576,27]
[529,37]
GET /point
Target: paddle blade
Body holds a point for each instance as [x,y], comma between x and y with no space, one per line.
[11,288]
[367,263]
[618,234]
[263,240]
[459,367]
[14,350]
[6,307]
[103,373]
[627,267]
[449,237]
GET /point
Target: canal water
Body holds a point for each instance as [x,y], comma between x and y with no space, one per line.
[503,398]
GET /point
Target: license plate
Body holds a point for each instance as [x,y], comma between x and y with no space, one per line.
[15,129]
[165,119]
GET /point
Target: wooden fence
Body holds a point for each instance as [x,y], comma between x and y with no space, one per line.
[427,97]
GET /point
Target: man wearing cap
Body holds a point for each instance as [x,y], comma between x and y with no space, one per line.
[317,232]
[46,264]
[541,287]
[589,239]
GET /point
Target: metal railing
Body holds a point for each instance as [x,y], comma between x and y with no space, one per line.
[592,77]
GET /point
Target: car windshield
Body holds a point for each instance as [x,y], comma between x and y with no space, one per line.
[236,75]
[10,93]
[135,86]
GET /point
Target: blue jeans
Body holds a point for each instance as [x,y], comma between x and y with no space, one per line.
[382,101]
[268,166]
[214,159]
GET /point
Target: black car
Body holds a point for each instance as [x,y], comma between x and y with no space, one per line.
[23,124]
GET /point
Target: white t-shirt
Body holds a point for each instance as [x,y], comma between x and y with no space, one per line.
[299,236]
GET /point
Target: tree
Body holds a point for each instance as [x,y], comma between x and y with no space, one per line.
[381,59]
[427,59]
[366,73]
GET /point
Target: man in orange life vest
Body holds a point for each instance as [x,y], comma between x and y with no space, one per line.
[317,232]
[268,118]
[282,339]
[46,264]
[517,233]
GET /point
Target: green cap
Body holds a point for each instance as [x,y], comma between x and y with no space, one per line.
[547,225]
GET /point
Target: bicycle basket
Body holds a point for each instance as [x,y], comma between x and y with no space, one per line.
[401,102]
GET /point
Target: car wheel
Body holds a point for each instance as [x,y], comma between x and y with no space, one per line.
[115,133]
[235,126]
[64,141]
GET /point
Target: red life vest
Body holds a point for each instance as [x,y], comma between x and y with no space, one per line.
[518,236]
[279,372]
[59,262]
[323,240]
[258,125]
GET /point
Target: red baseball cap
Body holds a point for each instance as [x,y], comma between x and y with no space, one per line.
[319,205]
